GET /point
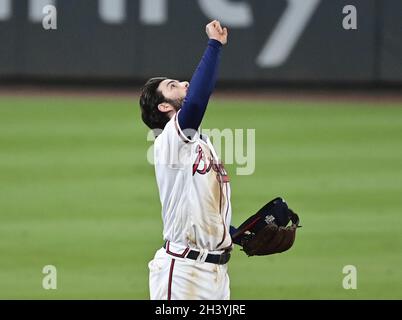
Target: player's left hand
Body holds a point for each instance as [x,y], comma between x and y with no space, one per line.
[266,232]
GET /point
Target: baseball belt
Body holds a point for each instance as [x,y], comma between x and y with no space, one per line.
[211,258]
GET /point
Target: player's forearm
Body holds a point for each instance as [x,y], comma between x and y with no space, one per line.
[201,86]
[232,231]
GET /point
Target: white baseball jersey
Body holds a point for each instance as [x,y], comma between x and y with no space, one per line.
[194,190]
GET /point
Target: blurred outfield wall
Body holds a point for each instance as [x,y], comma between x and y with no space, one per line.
[276,40]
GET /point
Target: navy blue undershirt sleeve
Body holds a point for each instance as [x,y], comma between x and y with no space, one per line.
[232,231]
[201,86]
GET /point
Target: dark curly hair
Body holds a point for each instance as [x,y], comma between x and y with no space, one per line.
[150,98]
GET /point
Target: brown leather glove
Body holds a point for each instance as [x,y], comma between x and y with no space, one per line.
[267,232]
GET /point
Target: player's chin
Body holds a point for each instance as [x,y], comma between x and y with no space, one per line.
[179,104]
[177,108]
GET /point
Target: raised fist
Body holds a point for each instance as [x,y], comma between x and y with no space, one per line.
[215,31]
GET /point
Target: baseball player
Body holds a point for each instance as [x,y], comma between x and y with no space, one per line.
[193,185]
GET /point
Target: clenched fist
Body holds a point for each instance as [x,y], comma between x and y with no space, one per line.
[215,31]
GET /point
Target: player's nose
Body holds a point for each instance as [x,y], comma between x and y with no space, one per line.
[185,84]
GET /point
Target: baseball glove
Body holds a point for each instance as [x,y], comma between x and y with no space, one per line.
[266,232]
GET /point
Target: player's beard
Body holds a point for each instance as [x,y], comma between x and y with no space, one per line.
[176,103]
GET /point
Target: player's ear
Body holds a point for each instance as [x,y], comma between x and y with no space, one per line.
[165,107]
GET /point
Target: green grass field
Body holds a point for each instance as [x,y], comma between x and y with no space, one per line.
[77,192]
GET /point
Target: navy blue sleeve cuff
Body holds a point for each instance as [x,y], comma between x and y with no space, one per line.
[215,43]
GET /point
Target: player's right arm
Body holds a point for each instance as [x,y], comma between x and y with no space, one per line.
[203,80]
